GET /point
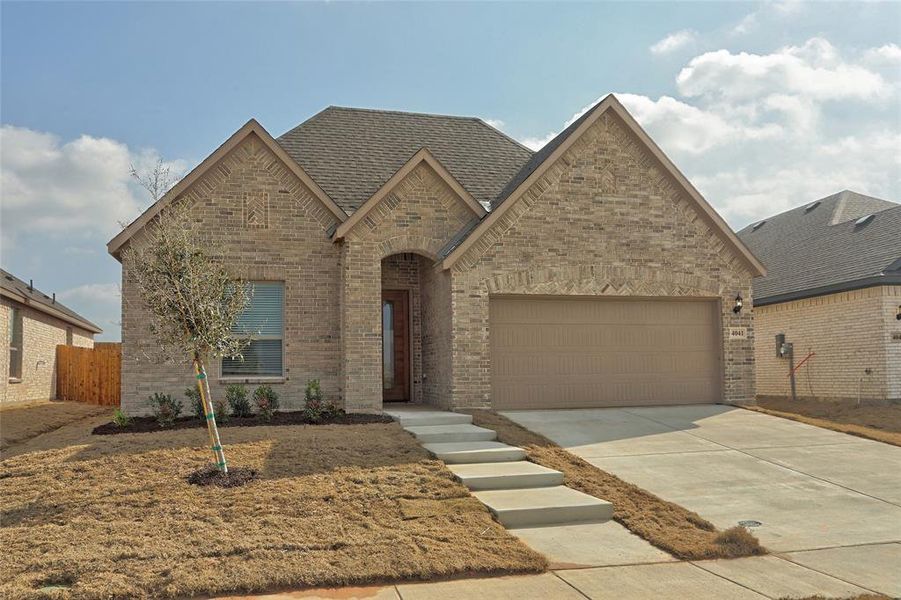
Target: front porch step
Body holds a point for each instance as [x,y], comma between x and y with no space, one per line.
[456,453]
[425,418]
[433,434]
[506,475]
[544,506]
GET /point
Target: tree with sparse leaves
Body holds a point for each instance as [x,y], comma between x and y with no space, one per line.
[193,300]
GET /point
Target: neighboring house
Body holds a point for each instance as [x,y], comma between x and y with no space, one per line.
[432,259]
[35,324]
[833,288]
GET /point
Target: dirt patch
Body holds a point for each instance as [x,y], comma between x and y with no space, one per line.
[668,526]
[294,417]
[22,422]
[211,475]
[876,422]
[334,505]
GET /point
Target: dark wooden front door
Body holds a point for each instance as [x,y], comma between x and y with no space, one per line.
[395,346]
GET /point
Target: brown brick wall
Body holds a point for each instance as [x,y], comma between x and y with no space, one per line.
[272,228]
[436,334]
[849,332]
[41,334]
[603,220]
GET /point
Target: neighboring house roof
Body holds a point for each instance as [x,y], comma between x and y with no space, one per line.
[352,152]
[14,288]
[252,127]
[544,158]
[820,248]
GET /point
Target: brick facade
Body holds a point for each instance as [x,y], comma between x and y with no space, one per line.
[849,332]
[41,334]
[605,219]
[272,228]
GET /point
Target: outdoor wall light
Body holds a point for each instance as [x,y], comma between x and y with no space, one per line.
[898,315]
[738,304]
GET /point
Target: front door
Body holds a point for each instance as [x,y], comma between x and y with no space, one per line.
[395,346]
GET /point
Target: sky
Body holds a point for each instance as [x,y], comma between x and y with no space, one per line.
[764,106]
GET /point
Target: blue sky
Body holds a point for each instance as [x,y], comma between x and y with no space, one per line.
[763,105]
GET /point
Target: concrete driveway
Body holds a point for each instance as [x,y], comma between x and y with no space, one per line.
[826,500]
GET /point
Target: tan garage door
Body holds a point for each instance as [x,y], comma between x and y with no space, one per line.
[587,352]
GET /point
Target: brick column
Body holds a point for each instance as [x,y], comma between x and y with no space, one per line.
[361,329]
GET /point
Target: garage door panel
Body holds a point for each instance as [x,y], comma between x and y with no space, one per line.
[578,352]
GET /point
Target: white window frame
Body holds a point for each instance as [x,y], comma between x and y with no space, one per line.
[262,378]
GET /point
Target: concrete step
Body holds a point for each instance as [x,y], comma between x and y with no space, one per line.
[506,475]
[433,434]
[424,418]
[544,506]
[475,452]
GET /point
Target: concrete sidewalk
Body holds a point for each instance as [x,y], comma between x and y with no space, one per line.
[796,575]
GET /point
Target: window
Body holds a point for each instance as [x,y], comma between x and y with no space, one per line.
[68,336]
[15,343]
[263,324]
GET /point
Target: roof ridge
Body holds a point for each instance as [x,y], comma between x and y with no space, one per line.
[397,112]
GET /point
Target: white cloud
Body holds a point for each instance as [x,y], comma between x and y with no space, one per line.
[83,185]
[813,70]
[496,123]
[760,133]
[92,292]
[889,54]
[781,9]
[673,42]
[98,302]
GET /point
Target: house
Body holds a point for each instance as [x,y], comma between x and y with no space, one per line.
[432,259]
[35,324]
[833,290]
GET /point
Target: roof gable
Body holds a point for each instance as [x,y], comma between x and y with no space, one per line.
[352,152]
[252,127]
[423,155]
[547,156]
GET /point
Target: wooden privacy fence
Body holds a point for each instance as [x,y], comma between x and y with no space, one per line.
[89,375]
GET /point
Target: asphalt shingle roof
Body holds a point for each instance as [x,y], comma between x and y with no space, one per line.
[41,301]
[819,247]
[352,152]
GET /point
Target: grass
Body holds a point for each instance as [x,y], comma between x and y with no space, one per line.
[335,505]
[21,422]
[881,423]
[668,526]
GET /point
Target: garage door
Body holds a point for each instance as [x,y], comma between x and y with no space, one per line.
[591,352]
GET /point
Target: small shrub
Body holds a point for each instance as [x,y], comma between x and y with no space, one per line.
[238,401]
[120,418]
[315,408]
[193,396]
[220,409]
[165,408]
[266,400]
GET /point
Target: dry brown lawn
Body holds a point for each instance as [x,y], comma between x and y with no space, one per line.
[668,526]
[21,422]
[876,422]
[113,517]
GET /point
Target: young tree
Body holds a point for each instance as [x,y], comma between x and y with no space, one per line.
[156,180]
[194,302]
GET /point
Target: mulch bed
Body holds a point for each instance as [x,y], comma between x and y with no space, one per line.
[211,475]
[294,417]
